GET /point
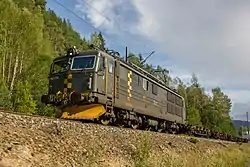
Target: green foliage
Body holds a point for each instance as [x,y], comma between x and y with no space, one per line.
[97,40]
[226,125]
[5,95]
[193,116]
[22,99]
[31,36]
[243,130]
[211,119]
[136,60]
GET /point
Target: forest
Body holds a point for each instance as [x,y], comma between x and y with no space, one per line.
[31,36]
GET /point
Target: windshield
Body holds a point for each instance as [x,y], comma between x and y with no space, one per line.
[83,62]
[60,66]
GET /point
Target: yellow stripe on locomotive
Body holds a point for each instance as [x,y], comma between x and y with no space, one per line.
[90,111]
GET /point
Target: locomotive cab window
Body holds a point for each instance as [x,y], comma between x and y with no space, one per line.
[145,84]
[101,63]
[60,66]
[169,96]
[154,89]
[139,80]
[110,67]
[83,62]
[135,78]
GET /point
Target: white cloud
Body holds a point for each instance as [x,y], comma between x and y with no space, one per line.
[241,105]
[94,9]
[208,37]
[240,110]
[239,96]
[110,15]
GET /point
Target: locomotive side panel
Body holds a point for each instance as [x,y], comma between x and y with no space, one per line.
[157,104]
[147,98]
[127,94]
[117,81]
[133,91]
[122,91]
[108,79]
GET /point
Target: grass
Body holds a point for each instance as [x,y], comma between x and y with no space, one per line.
[140,155]
[237,155]
[145,154]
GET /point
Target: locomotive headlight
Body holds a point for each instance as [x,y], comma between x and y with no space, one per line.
[90,83]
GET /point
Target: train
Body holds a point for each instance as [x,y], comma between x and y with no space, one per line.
[97,85]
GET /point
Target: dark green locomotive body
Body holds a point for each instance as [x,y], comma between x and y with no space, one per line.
[97,77]
[71,76]
[95,84]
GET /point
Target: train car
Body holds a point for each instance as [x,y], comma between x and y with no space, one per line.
[96,85]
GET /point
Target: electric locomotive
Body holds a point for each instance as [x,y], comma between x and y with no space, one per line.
[97,85]
[71,87]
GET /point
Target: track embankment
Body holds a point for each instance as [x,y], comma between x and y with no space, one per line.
[27,141]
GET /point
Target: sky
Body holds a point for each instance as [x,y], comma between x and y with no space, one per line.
[208,38]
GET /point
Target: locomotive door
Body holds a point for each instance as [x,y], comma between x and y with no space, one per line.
[109,77]
[116,80]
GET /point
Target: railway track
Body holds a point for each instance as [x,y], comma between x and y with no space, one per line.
[115,126]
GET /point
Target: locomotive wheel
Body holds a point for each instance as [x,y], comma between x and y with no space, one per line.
[105,119]
[161,127]
[134,126]
[172,131]
[119,123]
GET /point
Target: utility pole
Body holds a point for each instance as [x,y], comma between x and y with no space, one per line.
[126,54]
[247,125]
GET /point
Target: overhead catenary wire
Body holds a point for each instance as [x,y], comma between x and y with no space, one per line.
[79,17]
[85,21]
[72,12]
[107,18]
[104,16]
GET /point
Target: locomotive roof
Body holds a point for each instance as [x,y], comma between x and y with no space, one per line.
[145,74]
[91,52]
[129,65]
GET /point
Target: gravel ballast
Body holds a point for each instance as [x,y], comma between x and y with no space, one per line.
[27,141]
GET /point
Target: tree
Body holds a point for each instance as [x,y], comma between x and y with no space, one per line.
[97,40]
[102,41]
[135,60]
[22,99]
[193,116]
[221,101]
[163,75]
[5,95]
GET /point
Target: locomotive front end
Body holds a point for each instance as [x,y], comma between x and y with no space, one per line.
[71,86]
